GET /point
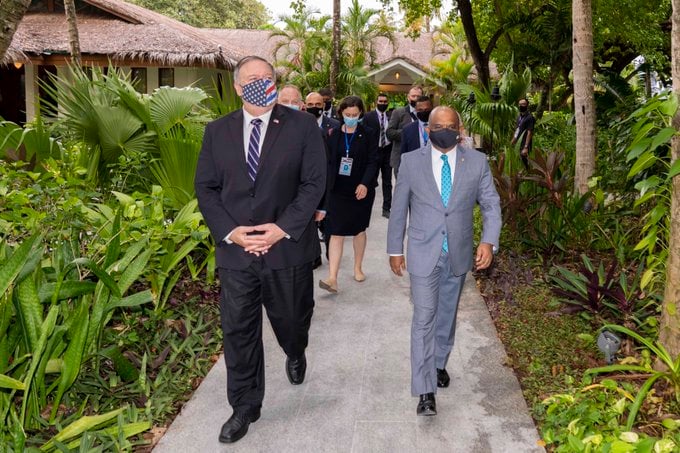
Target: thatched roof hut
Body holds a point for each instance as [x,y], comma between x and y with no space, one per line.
[116,30]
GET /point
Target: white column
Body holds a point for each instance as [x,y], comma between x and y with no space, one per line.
[31,90]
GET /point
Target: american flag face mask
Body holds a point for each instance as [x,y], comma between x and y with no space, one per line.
[260,92]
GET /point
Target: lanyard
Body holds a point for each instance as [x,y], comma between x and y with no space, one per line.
[348,143]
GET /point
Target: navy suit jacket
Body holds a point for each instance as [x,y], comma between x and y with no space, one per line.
[410,137]
[290,182]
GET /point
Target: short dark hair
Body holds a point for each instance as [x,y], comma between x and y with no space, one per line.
[248,59]
[424,99]
[523,99]
[383,95]
[351,101]
[325,91]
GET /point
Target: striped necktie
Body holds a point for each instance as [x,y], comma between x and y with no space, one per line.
[254,149]
[446,191]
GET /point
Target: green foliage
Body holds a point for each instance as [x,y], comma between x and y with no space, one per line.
[304,49]
[652,171]
[669,373]
[589,419]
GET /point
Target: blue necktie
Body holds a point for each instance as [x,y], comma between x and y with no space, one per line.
[254,149]
[446,191]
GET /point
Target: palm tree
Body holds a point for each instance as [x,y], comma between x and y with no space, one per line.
[11,13]
[74,41]
[669,328]
[584,93]
[335,59]
[298,29]
[361,28]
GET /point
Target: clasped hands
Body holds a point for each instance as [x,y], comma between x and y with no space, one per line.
[257,239]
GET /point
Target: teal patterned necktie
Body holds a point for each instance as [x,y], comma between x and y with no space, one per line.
[446,190]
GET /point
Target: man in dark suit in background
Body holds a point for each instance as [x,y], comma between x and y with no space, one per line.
[414,135]
[261,173]
[315,103]
[378,120]
[328,107]
[401,118]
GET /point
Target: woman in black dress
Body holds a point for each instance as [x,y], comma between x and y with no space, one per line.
[353,165]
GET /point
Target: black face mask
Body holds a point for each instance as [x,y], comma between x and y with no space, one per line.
[381,107]
[444,139]
[412,103]
[424,116]
[523,108]
[316,111]
[326,105]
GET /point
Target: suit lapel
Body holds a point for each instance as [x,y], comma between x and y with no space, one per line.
[276,121]
[459,173]
[235,131]
[430,182]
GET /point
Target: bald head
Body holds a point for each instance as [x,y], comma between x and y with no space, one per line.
[314,99]
[444,116]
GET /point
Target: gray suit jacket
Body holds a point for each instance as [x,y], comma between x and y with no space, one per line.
[400,118]
[417,198]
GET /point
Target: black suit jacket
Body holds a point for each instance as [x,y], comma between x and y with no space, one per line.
[410,137]
[328,124]
[290,182]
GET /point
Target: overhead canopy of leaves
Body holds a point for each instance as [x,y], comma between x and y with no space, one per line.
[212,14]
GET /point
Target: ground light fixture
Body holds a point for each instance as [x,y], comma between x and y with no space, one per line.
[609,344]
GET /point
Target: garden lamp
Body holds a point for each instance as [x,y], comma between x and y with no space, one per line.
[471,98]
[608,343]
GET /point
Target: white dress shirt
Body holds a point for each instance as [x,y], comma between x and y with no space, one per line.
[438,163]
[248,128]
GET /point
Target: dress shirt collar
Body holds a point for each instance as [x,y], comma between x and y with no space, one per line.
[247,117]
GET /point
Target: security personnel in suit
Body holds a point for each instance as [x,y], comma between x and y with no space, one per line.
[260,176]
[378,120]
[401,118]
[415,135]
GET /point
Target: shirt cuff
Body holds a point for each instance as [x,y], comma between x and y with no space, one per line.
[396,254]
[226,238]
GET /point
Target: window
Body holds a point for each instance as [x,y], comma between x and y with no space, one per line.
[138,77]
[166,77]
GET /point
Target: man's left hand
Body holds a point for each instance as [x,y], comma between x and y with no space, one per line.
[484,256]
[271,234]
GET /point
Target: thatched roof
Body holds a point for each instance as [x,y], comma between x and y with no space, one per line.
[121,31]
[257,42]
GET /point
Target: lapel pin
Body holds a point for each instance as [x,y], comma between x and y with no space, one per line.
[276,121]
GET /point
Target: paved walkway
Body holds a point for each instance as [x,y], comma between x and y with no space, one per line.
[356,396]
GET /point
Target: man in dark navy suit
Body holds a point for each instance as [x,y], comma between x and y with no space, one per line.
[414,135]
[260,176]
[378,120]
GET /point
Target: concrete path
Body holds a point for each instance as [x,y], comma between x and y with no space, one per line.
[356,396]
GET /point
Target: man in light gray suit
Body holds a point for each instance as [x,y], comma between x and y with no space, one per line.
[437,190]
[401,118]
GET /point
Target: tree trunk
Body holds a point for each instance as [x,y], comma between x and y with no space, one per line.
[74,41]
[584,93]
[479,57]
[669,328]
[335,58]
[11,12]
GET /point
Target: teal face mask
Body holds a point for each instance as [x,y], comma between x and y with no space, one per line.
[292,106]
[350,122]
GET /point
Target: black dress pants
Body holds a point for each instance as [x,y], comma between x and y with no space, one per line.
[385,170]
[288,297]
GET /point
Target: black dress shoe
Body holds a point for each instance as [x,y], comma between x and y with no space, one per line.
[295,369]
[443,378]
[237,426]
[386,213]
[427,405]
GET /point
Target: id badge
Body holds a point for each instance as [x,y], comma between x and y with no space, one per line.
[345,166]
